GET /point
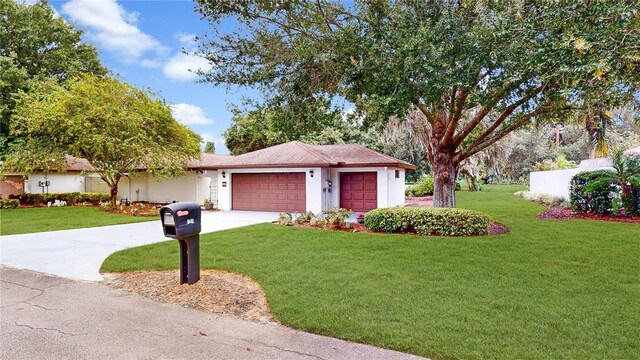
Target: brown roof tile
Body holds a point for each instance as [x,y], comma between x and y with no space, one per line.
[291,154]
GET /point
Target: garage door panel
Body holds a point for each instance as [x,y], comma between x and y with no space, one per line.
[269,192]
[359,191]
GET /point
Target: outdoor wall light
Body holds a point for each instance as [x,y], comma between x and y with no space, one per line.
[224,174]
[311,173]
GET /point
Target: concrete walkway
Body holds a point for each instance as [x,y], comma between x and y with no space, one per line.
[47,317]
[79,253]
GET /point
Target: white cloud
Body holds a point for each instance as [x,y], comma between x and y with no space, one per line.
[187,40]
[113,28]
[189,114]
[182,67]
[151,63]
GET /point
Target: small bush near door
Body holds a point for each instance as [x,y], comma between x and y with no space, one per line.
[428,221]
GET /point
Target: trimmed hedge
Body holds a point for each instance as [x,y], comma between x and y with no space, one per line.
[9,203]
[71,198]
[597,199]
[428,221]
[423,188]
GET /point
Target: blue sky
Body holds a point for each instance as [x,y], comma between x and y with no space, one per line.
[142,41]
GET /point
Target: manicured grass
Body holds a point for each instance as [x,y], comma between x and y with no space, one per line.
[32,220]
[547,290]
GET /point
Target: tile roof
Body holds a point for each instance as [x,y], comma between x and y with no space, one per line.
[292,154]
[77,164]
[299,154]
[633,151]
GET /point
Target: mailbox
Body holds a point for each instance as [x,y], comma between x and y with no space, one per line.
[181,221]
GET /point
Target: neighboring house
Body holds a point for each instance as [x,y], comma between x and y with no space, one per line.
[289,177]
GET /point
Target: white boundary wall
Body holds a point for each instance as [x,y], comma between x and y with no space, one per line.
[556,182]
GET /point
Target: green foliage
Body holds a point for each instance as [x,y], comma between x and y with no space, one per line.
[596,198]
[210,147]
[71,198]
[475,70]
[625,177]
[113,125]
[428,221]
[285,219]
[561,163]
[335,218]
[313,122]
[9,203]
[423,188]
[35,44]
[304,217]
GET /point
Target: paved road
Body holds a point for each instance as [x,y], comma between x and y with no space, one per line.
[48,317]
[79,253]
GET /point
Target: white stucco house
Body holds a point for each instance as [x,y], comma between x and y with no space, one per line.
[289,177]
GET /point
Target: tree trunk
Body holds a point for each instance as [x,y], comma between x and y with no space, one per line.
[445,173]
[113,192]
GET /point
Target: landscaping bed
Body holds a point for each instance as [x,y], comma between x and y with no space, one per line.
[563,213]
[135,209]
[219,292]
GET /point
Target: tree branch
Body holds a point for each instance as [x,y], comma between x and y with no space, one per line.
[474,149]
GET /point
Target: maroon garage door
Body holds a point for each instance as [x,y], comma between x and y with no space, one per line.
[359,191]
[269,192]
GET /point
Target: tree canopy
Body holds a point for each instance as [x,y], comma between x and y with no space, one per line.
[118,128]
[276,122]
[475,70]
[35,44]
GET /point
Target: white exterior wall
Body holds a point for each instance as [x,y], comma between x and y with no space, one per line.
[557,182]
[396,187]
[58,183]
[554,182]
[139,187]
[190,187]
[314,196]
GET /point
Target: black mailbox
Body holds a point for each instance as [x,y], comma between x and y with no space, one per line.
[181,221]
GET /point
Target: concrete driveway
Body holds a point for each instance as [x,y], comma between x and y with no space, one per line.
[47,317]
[79,253]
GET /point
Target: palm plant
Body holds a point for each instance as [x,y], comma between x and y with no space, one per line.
[626,175]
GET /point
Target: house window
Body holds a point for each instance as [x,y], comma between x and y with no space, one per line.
[397,174]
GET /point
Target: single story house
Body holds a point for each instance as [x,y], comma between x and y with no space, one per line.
[288,177]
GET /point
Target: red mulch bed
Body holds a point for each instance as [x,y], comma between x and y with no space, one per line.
[494,228]
[561,213]
[419,201]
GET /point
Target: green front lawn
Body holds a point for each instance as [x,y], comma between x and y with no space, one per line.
[547,290]
[32,220]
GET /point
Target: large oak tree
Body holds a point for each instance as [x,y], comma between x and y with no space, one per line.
[475,70]
[118,128]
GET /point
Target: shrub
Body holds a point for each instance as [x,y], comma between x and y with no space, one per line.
[561,163]
[542,198]
[335,218]
[285,219]
[71,198]
[428,221]
[423,188]
[9,203]
[588,195]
